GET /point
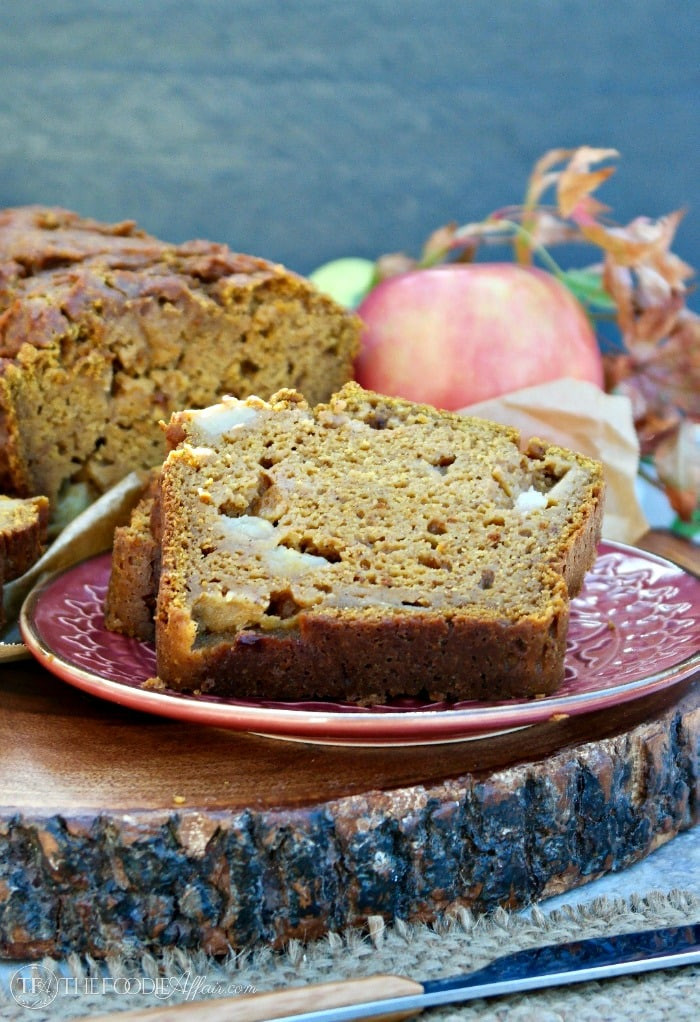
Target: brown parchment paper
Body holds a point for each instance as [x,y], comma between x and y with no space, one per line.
[578,415]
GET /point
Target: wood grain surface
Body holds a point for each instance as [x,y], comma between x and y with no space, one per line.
[666,544]
[63,751]
[121,830]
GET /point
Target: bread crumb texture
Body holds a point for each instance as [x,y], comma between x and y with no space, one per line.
[23,531]
[105,330]
[367,548]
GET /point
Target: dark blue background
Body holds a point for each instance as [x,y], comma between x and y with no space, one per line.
[305,130]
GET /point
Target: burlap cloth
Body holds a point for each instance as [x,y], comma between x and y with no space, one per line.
[458,943]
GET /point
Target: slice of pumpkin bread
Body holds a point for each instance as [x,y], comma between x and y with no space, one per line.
[133,581]
[23,525]
[366,549]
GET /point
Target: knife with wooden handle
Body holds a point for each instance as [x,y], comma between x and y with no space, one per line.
[397,997]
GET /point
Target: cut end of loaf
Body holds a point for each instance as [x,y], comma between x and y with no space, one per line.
[104,331]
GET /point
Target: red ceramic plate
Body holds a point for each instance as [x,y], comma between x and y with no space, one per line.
[635,628]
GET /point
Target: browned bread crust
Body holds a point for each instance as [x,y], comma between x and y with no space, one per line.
[133,582]
[104,331]
[367,549]
[23,525]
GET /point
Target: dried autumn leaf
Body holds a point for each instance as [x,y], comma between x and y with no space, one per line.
[439,244]
[570,178]
[677,461]
[543,177]
[642,240]
[461,243]
[585,213]
[675,365]
[577,181]
[619,283]
[497,225]
[674,271]
[653,287]
[652,325]
[654,418]
[547,229]
[584,156]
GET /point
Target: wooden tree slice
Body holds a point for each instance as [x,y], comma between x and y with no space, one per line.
[124,832]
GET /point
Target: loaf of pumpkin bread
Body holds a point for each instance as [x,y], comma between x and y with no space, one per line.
[105,330]
[366,549]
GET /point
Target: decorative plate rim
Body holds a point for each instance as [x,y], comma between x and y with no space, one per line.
[324,724]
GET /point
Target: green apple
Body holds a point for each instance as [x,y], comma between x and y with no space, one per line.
[346,280]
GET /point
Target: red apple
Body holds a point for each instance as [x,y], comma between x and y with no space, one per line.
[456,334]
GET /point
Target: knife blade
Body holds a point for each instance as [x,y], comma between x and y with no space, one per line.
[533,969]
[399,997]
